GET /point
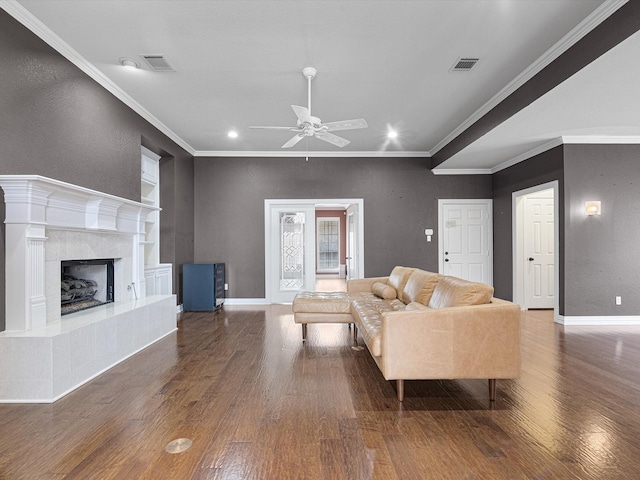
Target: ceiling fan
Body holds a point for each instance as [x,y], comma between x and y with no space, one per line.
[310,126]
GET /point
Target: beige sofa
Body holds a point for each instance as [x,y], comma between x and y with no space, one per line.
[422,325]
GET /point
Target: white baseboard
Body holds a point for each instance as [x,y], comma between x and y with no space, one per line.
[598,320]
[245,301]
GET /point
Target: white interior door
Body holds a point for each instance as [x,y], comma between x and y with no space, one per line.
[352,242]
[539,267]
[292,251]
[465,239]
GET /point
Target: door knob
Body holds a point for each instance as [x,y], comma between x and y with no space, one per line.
[531,259]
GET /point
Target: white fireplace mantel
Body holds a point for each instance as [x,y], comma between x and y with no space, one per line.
[35,205]
[37,200]
[45,356]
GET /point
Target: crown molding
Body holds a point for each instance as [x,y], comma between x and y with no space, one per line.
[600,14]
[528,154]
[570,140]
[461,171]
[601,139]
[314,154]
[27,19]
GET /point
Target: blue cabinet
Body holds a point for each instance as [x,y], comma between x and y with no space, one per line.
[203,286]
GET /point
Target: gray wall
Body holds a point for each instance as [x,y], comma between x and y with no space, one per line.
[400,201]
[602,257]
[176,218]
[599,258]
[57,122]
[543,168]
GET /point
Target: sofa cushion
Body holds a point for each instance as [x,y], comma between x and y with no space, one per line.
[321,302]
[384,291]
[416,306]
[419,287]
[456,292]
[367,312]
[399,278]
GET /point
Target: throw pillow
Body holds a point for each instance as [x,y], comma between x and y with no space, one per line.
[384,291]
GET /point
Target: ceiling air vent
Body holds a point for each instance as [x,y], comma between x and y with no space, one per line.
[464,64]
[157,62]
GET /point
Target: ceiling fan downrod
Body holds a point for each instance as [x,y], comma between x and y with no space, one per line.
[309,73]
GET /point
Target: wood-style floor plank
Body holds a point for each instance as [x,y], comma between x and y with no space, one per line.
[259,404]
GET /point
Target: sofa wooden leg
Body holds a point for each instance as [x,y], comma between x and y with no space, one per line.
[400,388]
[355,333]
[492,389]
[304,332]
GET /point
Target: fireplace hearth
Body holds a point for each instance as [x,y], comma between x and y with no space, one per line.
[47,222]
[85,284]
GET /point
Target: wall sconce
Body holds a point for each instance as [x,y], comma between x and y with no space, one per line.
[592,207]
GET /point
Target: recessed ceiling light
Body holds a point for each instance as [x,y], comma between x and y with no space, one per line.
[129,63]
[392,134]
[232,134]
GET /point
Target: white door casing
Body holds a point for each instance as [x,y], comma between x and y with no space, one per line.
[539,261]
[465,236]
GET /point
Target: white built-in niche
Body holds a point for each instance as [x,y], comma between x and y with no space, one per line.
[157,276]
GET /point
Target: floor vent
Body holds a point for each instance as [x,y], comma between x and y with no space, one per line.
[157,62]
[464,64]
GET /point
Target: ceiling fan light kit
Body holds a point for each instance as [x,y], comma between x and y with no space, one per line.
[310,126]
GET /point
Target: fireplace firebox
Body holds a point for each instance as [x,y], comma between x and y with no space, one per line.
[85,284]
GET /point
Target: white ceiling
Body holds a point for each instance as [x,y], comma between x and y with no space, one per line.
[239,64]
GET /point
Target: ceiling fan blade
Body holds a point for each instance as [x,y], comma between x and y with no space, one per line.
[333,139]
[276,128]
[293,141]
[346,125]
[302,113]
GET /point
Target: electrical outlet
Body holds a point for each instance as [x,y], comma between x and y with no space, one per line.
[226,287]
[618,300]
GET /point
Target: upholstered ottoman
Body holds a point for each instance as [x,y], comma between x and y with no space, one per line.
[321,307]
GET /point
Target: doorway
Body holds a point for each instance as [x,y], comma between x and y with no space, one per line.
[535,252]
[290,244]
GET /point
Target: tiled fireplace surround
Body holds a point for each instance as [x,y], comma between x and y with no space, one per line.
[42,355]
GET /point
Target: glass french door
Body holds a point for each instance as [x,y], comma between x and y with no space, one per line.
[292,251]
[353,243]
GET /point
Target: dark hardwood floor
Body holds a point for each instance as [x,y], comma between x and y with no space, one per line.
[258,404]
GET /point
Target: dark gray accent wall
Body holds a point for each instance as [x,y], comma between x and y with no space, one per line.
[602,256]
[599,257]
[57,122]
[176,217]
[543,168]
[400,201]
